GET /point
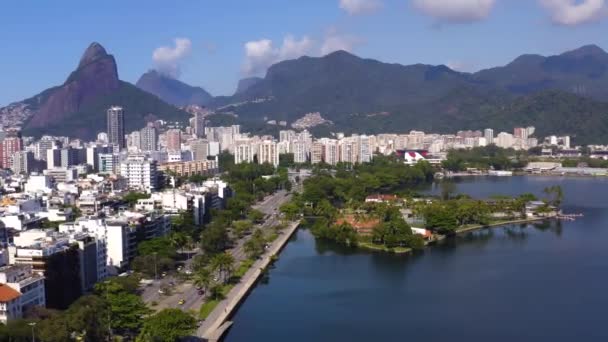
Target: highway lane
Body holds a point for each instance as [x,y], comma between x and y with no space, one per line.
[187,291]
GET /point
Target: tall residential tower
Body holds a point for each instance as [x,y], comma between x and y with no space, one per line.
[116,126]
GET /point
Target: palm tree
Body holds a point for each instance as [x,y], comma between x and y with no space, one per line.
[203,279]
[223,263]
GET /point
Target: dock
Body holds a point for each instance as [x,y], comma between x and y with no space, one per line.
[217,323]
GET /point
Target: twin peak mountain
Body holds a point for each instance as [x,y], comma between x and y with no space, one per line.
[356,94]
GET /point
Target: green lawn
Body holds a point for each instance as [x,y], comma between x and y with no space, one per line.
[373,246]
[207,307]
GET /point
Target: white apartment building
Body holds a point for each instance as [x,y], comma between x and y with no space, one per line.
[29,285]
[117,235]
[243,152]
[365,149]
[108,163]
[300,151]
[268,153]
[140,172]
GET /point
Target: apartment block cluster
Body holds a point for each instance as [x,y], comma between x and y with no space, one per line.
[64,223]
[361,148]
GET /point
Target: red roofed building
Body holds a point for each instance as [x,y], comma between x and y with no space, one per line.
[10,306]
[362,225]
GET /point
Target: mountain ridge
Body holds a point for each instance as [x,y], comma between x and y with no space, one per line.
[171,90]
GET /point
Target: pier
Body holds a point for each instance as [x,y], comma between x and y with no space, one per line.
[217,323]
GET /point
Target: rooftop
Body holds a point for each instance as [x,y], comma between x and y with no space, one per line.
[8,294]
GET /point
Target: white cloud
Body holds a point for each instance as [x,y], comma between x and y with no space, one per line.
[574,12]
[456,11]
[168,58]
[355,7]
[335,41]
[260,54]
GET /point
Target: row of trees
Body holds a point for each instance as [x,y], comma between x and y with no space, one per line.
[486,157]
[114,310]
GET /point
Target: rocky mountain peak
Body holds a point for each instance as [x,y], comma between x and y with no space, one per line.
[94,52]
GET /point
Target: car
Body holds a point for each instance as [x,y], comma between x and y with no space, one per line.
[201,292]
[161,291]
[181,302]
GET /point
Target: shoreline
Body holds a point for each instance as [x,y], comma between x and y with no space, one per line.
[501,223]
[217,322]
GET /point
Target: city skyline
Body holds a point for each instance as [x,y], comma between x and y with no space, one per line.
[463,36]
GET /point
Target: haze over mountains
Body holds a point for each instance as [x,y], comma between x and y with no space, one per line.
[171,90]
[563,94]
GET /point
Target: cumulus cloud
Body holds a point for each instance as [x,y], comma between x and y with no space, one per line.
[456,11]
[335,41]
[261,54]
[355,7]
[574,12]
[168,58]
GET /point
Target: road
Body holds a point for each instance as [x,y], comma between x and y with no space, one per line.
[186,290]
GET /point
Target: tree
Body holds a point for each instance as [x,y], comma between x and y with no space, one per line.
[447,189]
[254,247]
[256,216]
[556,195]
[132,197]
[162,247]
[126,309]
[203,279]
[214,239]
[290,210]
[241,227]
[223,263]
[168,325]
[152,265]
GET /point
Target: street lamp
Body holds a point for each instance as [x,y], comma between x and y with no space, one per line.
[33,325]
[155,267]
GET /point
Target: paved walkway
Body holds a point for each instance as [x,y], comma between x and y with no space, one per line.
[224,309]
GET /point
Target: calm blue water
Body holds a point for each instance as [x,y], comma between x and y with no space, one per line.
[521,283]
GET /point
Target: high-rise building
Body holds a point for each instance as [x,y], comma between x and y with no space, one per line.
[300,151]
[116,126]
[316,152]
[108,163]
[505,140]
[200,149]
[23,162]
[149,138]
[141,173]
[11,144]
[174,140]
[268,153]
[243,153]
[365,150]
[44,144]
[331,153]
[488,133]
[199,124]
[134,141]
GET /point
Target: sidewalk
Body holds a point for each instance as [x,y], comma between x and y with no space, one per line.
[224,309]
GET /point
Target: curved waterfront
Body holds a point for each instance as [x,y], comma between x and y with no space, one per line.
[542,282]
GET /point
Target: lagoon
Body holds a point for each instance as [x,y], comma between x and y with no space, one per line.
[533,282]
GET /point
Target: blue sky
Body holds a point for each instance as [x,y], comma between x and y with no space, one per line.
[225,40]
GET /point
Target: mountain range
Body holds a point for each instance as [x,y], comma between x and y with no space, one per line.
[552,93]
[562,94]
